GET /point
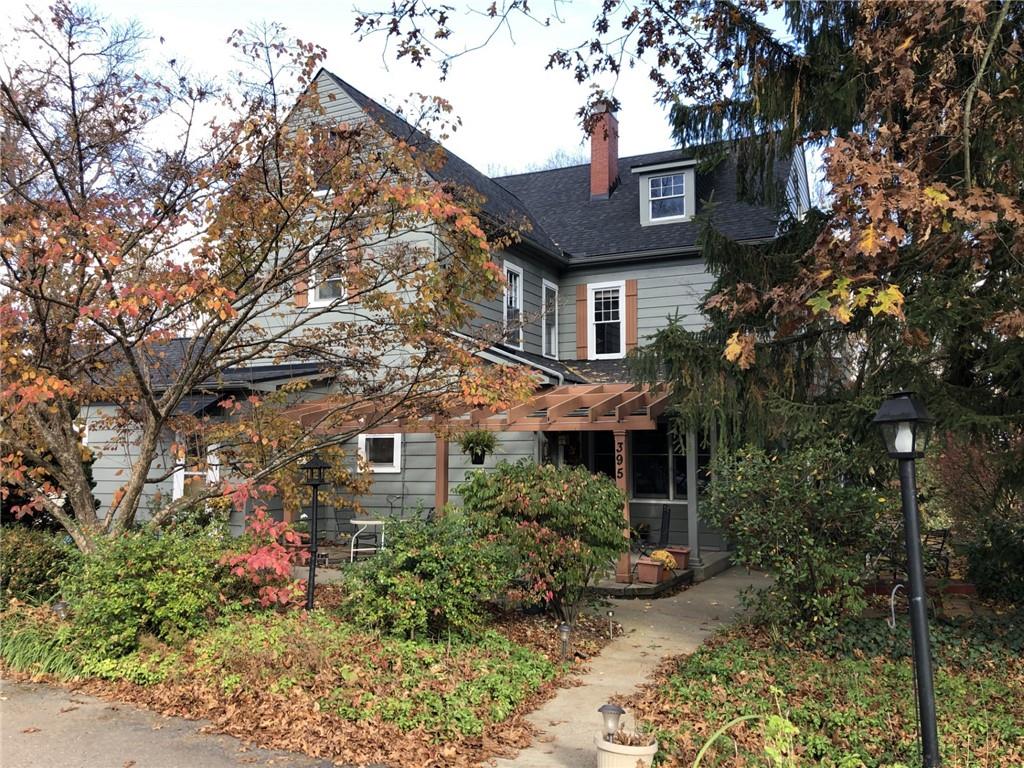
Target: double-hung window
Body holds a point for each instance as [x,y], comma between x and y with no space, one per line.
[667,196]
[382,453]
[196,467]
[606,308]
[549,321]
[327,283]
[512,316]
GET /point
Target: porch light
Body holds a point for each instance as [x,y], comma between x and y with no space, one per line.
[905,425]
[611,714]
[564,630]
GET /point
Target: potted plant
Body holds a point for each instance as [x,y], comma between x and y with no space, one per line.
[682,556]
[478,443]
[666,558]
[625,749]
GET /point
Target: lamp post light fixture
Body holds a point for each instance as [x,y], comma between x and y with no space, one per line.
[316,475]
[905,425]
[611,714]
[564,630]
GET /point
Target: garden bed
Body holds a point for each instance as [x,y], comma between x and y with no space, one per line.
[852,699]
[312,683]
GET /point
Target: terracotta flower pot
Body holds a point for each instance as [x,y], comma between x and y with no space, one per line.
[682,556]
[648,571]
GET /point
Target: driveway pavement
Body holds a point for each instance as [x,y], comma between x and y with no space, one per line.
[45,727]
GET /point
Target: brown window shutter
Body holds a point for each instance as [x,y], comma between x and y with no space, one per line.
[632,310]
[301,293]
[581,322]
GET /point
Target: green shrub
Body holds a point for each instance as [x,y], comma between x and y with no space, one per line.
[995,560]
[793,514]
[32,562]
[166,585]
[433,578]
[563,524]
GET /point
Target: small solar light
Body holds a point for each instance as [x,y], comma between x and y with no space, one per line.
[611,714]
[564,631]
[611,625]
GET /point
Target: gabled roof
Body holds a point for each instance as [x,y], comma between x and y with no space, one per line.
[501,206]
[588,230]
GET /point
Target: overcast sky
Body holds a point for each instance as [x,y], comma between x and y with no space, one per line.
[514,112]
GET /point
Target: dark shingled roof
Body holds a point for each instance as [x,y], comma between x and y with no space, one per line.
[500,205]
[560,199]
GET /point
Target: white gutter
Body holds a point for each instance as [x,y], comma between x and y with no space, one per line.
[523,360]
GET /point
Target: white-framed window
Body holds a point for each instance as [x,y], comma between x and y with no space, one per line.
[196,466]
[667,195]
[606,316]
[549,320]
[327,284]
[512,314]
[382,453]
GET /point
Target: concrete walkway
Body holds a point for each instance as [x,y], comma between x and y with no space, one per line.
[653,630]
[42,726]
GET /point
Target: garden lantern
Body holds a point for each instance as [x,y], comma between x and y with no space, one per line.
[611,714]
[316,475]
[564,630]
[905,424]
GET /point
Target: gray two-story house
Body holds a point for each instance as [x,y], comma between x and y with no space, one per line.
[608,254]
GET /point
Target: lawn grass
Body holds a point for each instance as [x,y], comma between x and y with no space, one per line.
[852,702]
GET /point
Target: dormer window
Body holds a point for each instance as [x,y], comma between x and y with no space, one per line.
[667,196]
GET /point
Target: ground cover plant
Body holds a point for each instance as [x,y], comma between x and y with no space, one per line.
[175,621]
[851,700]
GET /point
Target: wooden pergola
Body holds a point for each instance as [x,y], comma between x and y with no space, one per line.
[618,408]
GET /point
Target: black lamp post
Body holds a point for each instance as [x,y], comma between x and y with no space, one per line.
[316,475]
[905,426]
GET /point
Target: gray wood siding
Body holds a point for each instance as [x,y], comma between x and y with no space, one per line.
[115,457]
[490,313]
[663,289]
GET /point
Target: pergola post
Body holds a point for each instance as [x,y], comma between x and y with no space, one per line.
[624,567]
[692,519]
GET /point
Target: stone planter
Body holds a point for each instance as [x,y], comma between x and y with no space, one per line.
[612,755]
[648,571]
[682,556]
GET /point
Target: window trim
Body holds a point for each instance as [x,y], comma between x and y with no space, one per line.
[508,266]
[382,469]
[689,192]
[592,325]
[313,301]
[551,354]
[212,471]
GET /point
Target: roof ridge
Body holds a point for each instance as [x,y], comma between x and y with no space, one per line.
[535,224]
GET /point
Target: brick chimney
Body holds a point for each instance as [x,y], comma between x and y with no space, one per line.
[604,152]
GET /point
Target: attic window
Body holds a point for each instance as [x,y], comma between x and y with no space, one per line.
[667,196]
